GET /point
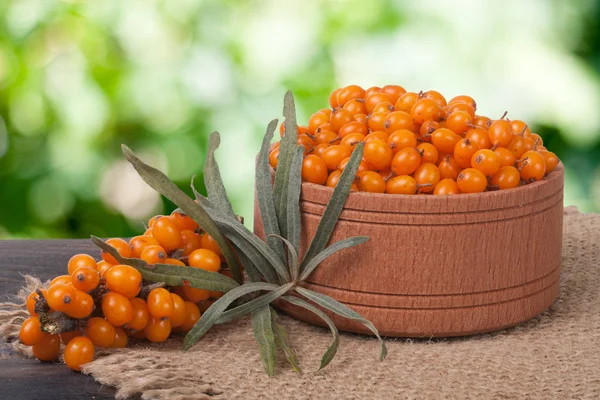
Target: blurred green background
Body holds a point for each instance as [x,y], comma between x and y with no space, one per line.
[78,78]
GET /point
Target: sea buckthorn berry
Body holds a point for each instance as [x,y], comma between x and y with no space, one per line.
[482,122]
[178,315]
[362,167]
[139,243]
[403,184]
[520,128]
[100,331]
[486,161]
[160,303]
[371,181]
[140,314]
[333,178]
[429,153]
[425,110]
[31,331]
[464,99]
[383,108]
[78,352]
[402,139]
[372,100]
[532,167]
[353,127]
[66,279]
[378,154]
[48,348]
[398,120]
[435,96]
[103,266]
[122,248]
[406,101]
[471,180]
[427,176]
[158,329]
[137,334]
[81,260]
[117,309]
[273,158]
[154,254]
[66,337]
[81,306]
[192,315]
[32,300]
[376,121]
[333,101]
[352,140]
[326,137]
[460,107]
[339,118]
[306,142]
[463,152]
[372,90]
[550,159]
[59,296]
[459,122]
[362,118]
[190,241]
[195,295]
[446,187]
[379,135]
[393,91]
[314,170]
[319,149]
[500,133]
[537,138]
[355,107]
[124,280]
[120,341]
[209,243]
[449,168]
[427,129]
[153,219]
[334,155]
[507,177]
[445,140]
[519,145]
[185,222]
[317,119]
[85,279]
[168,234]
[174,261]
[505,156]
[479,137]
[205,259]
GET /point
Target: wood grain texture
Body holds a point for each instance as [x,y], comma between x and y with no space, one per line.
[440,266]
[26,378]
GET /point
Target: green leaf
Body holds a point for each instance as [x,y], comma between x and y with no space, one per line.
[264,192]
[330,250]
[212,177]
[264,336]
[254,304]
[293,220]
[340,309]
[172,275]
[281,339]
[334,207]
[253,273]
[159,182]
[286,152]
[216,310]
[332,349]
[292,256]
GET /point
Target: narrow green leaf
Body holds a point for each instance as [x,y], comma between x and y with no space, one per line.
[216,310]
[281,340]
[254,304]
[292,257]
[197,194]
[264,336]
[159,182]
[332,349]
[172,275]
[340,309]
[253,273]
[334,207]
[264,192]
[286,152]
[212,177]
[328,251]
[293,220]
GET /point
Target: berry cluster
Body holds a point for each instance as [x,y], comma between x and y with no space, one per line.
[102,303]
[418,143]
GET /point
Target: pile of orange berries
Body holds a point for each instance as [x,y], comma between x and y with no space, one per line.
[418,143]
[103,303]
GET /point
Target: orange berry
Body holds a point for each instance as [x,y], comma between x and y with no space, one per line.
[446,187]
[274,158]
[427,176]
[192,315]
[314,170]
[479,137]
[32,300]
[403,184]
[376,121]
[48,348]
[353,127]
[550,159]
[334,155]
[168,234]
[505,156]
[435,96]
[66,279]
[482,122]
[154,254]
[117,309]
[195,295]
[445,140]
[406,101]
[350,92]
[205,259]
[372,90]
[406,161]
[373,99]
[383,108]
[174,261]
[103,266]
[333,178]
[211,244]
[178,315]
[362,167]
[371,181]
[327,137]
[81,260]
[461,107]
[31,331]
[379,135]
[393,91]
[463,152]
[507,177]
[355,107]
[66,337]
[160,303]
[121,340]
[427,129]
[124,280]
[319,149]
[486,161]
[152,220]
[378,154]
[532,167]
[425,110]
[100,331]
[59,296]
[464,99]
[158,329]
[429,153]
[190,241]
[184,222]
[471,180]
[140,314]
[85,279]
[398,120]
[81,306]
[352,140]
[520,128]
[402,139]
[317,119]
[139,243]
[333,101]
[500,133]
[519,145]
[78,352]
[339,118]
[122,248]
[449,168]
[459,121]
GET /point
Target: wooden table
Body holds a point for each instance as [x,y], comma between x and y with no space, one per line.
[30,379]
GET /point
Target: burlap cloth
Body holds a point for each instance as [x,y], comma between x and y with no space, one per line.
[554,356]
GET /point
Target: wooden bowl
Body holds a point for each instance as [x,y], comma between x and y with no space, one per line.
[440,266]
